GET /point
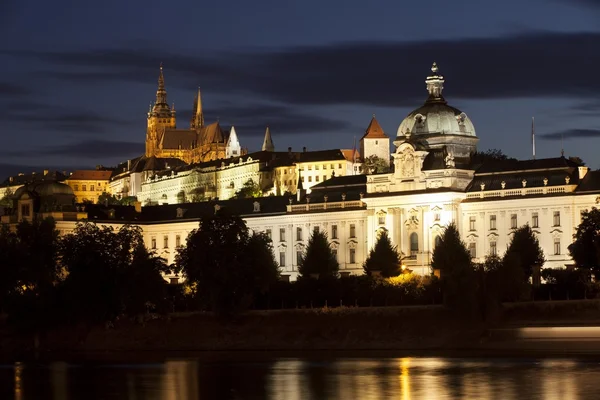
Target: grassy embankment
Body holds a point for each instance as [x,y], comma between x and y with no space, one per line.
[377,328]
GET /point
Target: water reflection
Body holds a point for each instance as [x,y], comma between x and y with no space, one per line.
[295,379]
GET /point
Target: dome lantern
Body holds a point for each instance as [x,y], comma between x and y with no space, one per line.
[435,85]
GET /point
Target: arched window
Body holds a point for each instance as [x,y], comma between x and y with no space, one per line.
[414,244]
[437,240]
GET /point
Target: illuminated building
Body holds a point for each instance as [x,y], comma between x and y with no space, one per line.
[434,181]
[198,143]
[88,185]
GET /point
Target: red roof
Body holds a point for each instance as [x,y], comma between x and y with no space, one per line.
[348,155]
[374,130]
[90,175]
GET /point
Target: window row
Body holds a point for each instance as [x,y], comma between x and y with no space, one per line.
[317,167]
[153,245]
[84,188]
[300,254]
[514,222]
[472,247]
[317,178]
[300,236]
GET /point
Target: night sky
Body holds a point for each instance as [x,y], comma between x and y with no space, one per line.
[77,77]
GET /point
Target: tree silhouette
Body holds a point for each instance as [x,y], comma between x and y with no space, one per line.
[585,248]
[383,257]
[524,248]
[318,259]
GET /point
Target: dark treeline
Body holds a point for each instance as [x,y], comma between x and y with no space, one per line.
[97,275]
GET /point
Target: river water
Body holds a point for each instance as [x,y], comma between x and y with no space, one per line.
[418,378]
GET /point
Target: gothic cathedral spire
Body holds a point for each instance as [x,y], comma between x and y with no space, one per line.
[198,116]
[161,92]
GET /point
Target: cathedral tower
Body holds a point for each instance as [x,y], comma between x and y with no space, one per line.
[198,116]
[160,118]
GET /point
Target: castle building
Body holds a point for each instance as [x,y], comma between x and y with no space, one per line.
[375,142]
[435,181]
[198,143]
[88,185]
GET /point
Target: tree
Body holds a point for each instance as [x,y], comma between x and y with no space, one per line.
[585,247]
[108,199]
[6,200]
[109,273]
[375,165]
[458,280]
[227,264]
[491,155]
[30,271]
[383,257]
[249,190]
[318,259]
[524,247]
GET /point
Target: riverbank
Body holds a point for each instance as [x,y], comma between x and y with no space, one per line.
[415,328]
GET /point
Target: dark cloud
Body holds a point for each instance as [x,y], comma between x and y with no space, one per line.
[252,120]
[587,107]
[10,89]
[538,64]
[572,134]
[54,118]
[90,149]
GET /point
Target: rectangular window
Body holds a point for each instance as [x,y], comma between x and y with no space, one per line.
[324,177]
[513,221]
[310,167]
[339,165]
[331,166]
[492,222]
[471,223]
[282,259]
[334,232]
[310,178]
[493,249]
[316,167]
[299,234]
[556,218]
[76,188]
[268,233]
[298,257]
[437,217]
[302,179]
[352,230]
[556,247]
[282,234]
[177,241]
[25,210]
[535,220]
[153,244]
[352,256]
[91,188]
[166,242]
[83,187]
[473,249]
[317,178]
[381,219]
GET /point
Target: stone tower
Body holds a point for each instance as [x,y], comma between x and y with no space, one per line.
[233,148]
[160,118]
[375,142]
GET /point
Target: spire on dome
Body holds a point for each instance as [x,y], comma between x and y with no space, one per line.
[435,85]
[268,142]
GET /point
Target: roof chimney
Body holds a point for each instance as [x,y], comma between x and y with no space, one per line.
[128,165]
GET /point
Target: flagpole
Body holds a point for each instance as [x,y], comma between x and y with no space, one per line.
[533,135]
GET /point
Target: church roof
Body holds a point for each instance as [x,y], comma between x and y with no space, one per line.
[174,138]
[211,134]
[374,130]
[90,175]
[349,152]
[191,211]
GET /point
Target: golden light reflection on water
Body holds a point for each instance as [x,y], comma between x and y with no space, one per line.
[413,378]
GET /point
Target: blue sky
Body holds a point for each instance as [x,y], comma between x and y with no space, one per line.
[76,78]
